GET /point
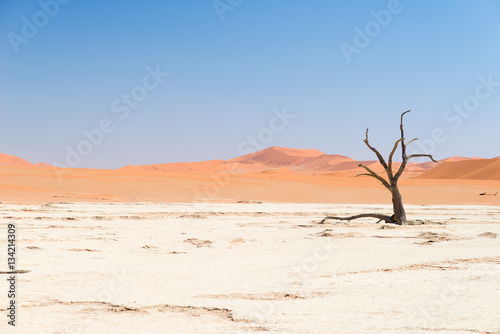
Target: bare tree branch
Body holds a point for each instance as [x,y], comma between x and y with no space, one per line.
[379,156]
[403,145]
[422,155]
[411,141]
[389,170]
[375,175]
[367,174]
[387,219]
[403,149]
[400,171]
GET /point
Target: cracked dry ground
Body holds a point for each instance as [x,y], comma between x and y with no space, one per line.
[251,268]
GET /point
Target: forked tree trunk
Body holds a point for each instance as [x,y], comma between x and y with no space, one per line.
[391,184]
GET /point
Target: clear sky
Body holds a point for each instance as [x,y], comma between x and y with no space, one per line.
[329,69]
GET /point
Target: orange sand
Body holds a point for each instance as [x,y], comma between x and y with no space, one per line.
[480,169]
[31,184]
[275,174]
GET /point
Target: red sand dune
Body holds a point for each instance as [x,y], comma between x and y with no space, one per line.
[476,169]
[289,159]
[280,171]
[42,164]
[275,175]
[179,166]
[269,158]
[10,160]
[300,159]
[454,158]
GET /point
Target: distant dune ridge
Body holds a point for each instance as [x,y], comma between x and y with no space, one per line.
[473,169]
[277,158]
[295,159]
[281,160]
[179,166]
[10,160]
[275,174]
[269,158]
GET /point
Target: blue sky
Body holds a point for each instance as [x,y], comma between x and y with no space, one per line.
[232,65]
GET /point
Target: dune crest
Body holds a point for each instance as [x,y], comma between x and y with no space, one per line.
[10,160]
[298,152]
[281,160]
[473,169]
[277,160]
[267,159]
[178,166]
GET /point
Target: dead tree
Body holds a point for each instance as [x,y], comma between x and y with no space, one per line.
[391,184]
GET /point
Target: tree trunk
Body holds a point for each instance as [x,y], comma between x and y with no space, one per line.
[397,204]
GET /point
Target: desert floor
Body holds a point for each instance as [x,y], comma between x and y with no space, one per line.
[251,267]
[43,185]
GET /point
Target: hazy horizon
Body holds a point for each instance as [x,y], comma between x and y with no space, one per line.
[159,82]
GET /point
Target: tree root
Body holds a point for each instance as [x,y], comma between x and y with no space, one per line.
[387,219]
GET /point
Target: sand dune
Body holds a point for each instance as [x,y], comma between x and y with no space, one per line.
[42,164]
[179,166]
[270,158]
[275,174]
[280,157]
[455,158]
[297,152]
[10,160]
[300,160]
[477,169]
[304,160]
[283,170]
